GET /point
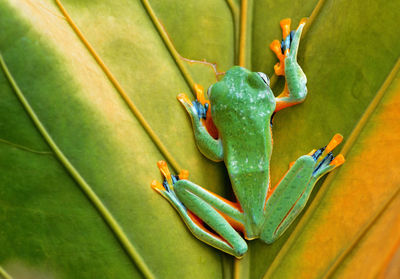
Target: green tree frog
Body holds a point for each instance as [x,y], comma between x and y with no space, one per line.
[241,106]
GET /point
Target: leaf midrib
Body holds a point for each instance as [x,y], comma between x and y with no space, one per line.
[239,265]
[273,79]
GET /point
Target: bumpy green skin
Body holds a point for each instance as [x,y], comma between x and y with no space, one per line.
[241,107]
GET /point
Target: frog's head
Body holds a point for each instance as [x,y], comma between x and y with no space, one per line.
[240,79]
[242,92]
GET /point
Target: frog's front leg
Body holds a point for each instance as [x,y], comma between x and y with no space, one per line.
[197,205]
[210,147]
[295,90]
[286,201]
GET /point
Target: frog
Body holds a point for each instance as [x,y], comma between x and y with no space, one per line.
[234,126]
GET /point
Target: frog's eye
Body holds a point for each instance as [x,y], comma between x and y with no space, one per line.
[264,77]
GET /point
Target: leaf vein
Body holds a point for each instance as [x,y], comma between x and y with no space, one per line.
[243,33]
[4,274]
[25,148]
[169,44]
[234,8]
[325,186]
[85,187]
[122,93]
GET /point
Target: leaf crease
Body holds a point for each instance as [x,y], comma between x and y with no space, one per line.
[389,258]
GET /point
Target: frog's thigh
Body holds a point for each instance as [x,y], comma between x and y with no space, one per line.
[288,198]
[205,205]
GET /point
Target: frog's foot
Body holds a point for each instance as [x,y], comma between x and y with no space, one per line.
[282,48]
[200,108]
[198,207]
[166,188]
[295,89]
[289,197]
[277,47]
[324,159]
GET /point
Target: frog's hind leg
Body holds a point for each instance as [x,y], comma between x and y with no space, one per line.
[198,206]
[290,196]
[295,89]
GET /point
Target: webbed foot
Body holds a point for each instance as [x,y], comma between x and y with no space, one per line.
[287,199]
[200,108]
[282,48]
[166,188]
[325,161]
[198,206]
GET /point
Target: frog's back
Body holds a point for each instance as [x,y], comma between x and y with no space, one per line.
[241,109]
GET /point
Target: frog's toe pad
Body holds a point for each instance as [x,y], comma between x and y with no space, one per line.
[337,161]
[328,163]
[184,99]
[282,48]
[169,179]
[335,141]
[324,159]
[157,186]
[183,174]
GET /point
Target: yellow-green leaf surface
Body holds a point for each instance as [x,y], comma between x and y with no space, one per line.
[354,222]
[88,106]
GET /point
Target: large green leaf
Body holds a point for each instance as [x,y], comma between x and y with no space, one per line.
[96,109]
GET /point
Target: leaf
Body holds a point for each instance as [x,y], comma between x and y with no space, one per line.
[342,80]
[113,121]
[370,198]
